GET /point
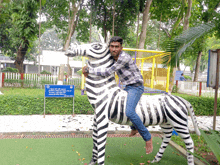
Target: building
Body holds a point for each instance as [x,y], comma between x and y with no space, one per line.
[49,61]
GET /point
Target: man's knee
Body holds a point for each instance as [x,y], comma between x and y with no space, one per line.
[129,114]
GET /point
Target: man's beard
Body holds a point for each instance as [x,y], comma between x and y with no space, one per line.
[113,54]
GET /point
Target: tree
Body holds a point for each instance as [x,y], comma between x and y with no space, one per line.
[20,30]
[146,17]
[124,17]
[210,15]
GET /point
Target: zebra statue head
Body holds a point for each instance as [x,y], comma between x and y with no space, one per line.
[94,51]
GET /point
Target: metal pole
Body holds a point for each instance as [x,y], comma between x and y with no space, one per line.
[44,106]
[73,107]
[216,89]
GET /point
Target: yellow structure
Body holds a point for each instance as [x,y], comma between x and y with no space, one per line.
[155,74]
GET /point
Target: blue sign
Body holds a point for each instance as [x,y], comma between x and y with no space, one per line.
[178,75]
[59,90]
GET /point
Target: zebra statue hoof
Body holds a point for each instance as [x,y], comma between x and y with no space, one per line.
[155,161]
[92,162]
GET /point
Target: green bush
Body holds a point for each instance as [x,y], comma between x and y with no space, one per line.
[175,89]
[187,77]
[9,69]
[45,72]
[79,72]
[28,105]
[203,106]
[20,101]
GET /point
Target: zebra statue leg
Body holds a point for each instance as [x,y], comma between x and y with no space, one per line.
[94,137]
[177,117]
[185,135]
[167,130]
[99,136]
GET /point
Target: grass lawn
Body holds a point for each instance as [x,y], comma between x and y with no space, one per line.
[78,151]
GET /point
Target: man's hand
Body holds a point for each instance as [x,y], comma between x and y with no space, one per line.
[85,71]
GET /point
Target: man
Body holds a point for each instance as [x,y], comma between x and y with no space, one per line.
[130,76]
[182,78]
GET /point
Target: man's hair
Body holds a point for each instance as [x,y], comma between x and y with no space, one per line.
[116,39]
[181,74]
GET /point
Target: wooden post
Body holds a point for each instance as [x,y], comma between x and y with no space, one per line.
[200,88]
[22,78]
[216,89]
[3,77]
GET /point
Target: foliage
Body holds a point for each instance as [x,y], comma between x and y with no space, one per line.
[45,72]
[203,106]
[31,101]
[56,13]
[208,142]
[19,30]
[187,77]
[21,25]
[50,40]
[79,72]
[175,89]
[125,16]
[9,69]
[213,141]
[199,143]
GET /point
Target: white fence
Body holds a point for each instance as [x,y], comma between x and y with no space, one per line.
[194,88]
[33,80]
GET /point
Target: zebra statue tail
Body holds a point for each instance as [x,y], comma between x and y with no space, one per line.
[194,121]
[192,115]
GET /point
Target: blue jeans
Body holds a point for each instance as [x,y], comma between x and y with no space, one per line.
[134,95]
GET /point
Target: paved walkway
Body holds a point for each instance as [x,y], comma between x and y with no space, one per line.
[67,123]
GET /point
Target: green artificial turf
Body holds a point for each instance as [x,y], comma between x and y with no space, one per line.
[78,151]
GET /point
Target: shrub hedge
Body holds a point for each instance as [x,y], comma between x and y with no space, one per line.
[203,106]
[28,105]
[21,104]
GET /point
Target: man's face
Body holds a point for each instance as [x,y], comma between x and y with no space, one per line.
[115,48]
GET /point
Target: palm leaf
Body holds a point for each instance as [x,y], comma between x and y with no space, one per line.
[179,44]
[199,157]
[188,37]
[213,141]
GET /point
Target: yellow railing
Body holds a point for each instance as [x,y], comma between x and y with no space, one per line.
[153,57]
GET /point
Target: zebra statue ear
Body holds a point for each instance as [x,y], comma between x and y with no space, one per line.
[108,37]
[101,38]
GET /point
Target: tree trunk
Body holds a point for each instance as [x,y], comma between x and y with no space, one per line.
[72,24]
[104,26]
[172,79]
[144,24]
[90,28]
[197,66]
[188,14]
[71,29]
[185,27]
[20,56]
[137,29]
[158,43]
[143,30]
[113,26]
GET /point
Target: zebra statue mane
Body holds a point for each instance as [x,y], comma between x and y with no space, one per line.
[109,103]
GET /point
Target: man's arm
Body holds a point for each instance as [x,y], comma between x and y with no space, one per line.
[108,71]
[85,71]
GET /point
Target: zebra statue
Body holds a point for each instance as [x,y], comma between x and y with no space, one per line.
[109,101]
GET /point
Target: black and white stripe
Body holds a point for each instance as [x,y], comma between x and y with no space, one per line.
[109,103]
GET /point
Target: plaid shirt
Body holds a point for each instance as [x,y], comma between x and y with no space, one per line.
[125,68]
